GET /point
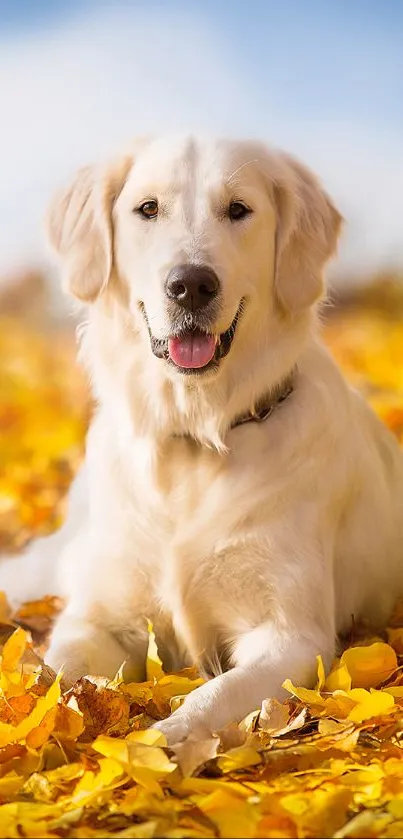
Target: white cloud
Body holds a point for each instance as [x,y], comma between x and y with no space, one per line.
[75,92]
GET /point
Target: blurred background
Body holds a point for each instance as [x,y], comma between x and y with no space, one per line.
[78,78]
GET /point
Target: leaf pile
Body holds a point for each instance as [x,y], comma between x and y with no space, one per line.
[84,762]
[369,349]
[43,417]
[326,762]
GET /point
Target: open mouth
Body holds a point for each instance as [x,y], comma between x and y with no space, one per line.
[195,350]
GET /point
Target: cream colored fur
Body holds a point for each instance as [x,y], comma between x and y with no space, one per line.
[254,545]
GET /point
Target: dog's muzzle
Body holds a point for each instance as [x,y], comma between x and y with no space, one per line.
[193,349]
[193,305]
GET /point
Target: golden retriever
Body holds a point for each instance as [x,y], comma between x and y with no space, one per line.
[236,491]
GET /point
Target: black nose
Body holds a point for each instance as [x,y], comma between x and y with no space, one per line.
[192,286]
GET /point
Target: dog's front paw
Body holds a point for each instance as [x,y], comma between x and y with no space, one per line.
[180,724]
[175,728]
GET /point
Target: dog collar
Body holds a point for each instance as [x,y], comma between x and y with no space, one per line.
[265,407]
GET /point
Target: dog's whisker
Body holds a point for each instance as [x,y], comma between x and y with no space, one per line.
[239,169]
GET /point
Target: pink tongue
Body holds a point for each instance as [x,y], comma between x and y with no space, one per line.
[192,351]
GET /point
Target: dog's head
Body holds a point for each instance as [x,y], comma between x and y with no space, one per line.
[197,239]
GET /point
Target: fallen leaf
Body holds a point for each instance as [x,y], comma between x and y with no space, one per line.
[374,704]
[102,709]
[339,678]
[15,734]
[193,753]
[170,687]
[154,664]
[239,758]
[309,697]
[369,666]
[39,615]
[276,719]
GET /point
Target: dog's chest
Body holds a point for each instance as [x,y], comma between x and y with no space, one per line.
[187,482]
[189,496]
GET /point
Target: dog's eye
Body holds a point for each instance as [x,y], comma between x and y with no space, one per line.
[149,209]
[237,210]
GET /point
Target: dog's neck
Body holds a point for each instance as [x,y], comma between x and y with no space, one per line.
[139,393]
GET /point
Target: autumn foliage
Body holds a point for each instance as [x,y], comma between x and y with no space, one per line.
[84,762]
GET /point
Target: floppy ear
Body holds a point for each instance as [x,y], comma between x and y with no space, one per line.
[307,234]
[79,225]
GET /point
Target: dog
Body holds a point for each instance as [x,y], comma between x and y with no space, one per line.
[236,491]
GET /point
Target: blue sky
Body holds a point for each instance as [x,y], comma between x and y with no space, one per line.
[324,78]
[349,50]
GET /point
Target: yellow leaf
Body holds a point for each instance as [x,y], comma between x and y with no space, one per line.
[146,778]
[321,673]
[338,679]
[5,608]
[13,650]
[148,737]
[396,807]
[374,704]
[113,747]
[140,692]
[32,816]
[368,666]
[65,774]
[12,680]
[69,723]
[309,697]
[152,757]
[200,787]
[335,730]
[13,734]
[339,704]
[118,748]
[146,830]
[10,785]
[93,787]
[172,686]
[154,663]
[143,761]
[238,758]
[233,816]
[397,692]
[318,812]
[38,736]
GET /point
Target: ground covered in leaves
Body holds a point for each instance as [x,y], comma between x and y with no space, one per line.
[83,763]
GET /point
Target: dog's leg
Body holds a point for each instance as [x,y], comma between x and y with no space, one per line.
[81,646]
[265,658]
[296,623]
[102,613]
[273,601]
